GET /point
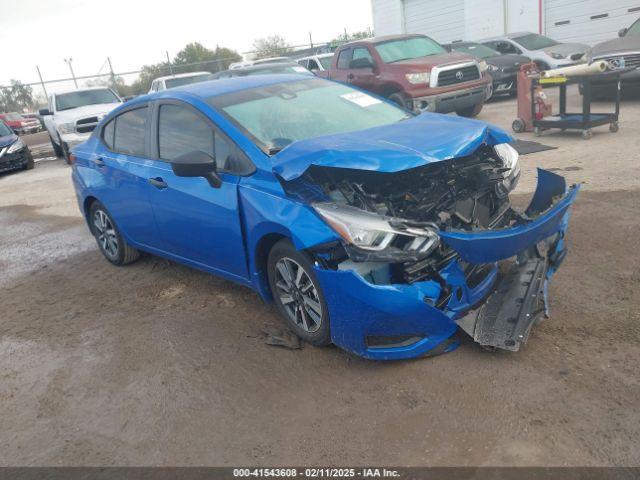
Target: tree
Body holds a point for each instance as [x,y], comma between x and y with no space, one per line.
[216,60]
[117,83]
[350,37]
[271,46]
[16,97]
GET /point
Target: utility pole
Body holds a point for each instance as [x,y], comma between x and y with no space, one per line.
[310,41]
[113,77]
[46,95]
[169,62]
[68,62]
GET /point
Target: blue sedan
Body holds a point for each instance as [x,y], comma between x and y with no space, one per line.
[377,230]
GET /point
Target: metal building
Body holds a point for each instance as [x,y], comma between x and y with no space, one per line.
[586,21]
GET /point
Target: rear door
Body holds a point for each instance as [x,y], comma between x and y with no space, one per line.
[196,222]
[120,172]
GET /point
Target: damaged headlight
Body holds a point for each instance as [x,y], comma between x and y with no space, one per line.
[511,163]
[371,231]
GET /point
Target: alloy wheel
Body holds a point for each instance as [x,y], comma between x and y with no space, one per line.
[105,233]
[298,295]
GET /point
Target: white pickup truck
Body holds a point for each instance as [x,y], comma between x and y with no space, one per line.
[72,116]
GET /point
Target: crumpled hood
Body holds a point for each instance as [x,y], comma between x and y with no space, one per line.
[630,43]
[417,141]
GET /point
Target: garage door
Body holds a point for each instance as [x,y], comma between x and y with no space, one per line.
[442,20]
[588,21]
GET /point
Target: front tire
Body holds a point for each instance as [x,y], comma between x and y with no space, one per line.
[57,150]
[297,294]
[398,99]
[470,111]
[109,239]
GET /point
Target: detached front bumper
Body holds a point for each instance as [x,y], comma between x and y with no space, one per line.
[397,321]
[16,160]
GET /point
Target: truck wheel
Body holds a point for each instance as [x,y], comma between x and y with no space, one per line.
[398,99]
[470,111]
[518,125]
[65,152]
[56,148]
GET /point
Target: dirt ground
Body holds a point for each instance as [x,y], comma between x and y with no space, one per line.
[157,364]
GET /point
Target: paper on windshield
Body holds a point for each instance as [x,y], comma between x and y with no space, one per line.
[361,99]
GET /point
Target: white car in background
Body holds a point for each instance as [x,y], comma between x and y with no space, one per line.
[173,81]
[72,116]
[317,63]
[251,63]
[546,52]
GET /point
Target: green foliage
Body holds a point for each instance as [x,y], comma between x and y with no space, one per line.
[350,37]
[193,53]
[16,97]
[271,46]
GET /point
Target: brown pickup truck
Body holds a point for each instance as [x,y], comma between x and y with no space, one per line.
[414,71]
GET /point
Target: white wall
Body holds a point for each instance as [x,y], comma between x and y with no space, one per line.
[388,17]
[483,18]
[523,16]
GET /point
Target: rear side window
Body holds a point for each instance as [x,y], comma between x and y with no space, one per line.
[108,133]
[129,132]
[344,58]
[182,131]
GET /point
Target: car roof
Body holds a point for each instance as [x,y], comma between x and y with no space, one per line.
[319,55]
[385,38]
[509,35]
[182,75]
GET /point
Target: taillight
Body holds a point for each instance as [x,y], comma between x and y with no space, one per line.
[72,159]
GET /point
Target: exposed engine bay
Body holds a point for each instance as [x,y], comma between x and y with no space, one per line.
[463,193]
[407,208]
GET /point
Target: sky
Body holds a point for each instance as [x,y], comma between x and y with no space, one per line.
[137,32]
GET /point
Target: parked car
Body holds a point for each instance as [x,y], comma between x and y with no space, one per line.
[72,116]
[623,52]
[35,116]
[263,70]
[502,68]
[317,63]
[260,61]
[415,72]
[178,80]
[19,123]
[547,53]
[14,153]
[369,226]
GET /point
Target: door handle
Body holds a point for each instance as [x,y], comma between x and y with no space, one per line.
[98,162]
[158,182]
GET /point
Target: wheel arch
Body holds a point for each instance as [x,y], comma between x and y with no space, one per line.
[86,206]
[259,263]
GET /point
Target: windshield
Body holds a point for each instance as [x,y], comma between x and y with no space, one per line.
[4,130]
[178,82]
[13,116]
[476,49]
[326,62]
[67,101]
[277,115]
[634,29]
[408,48]
[533,41]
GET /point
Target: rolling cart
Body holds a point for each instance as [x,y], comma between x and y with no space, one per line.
[564,120]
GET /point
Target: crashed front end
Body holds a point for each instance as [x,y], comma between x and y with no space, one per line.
[427,250]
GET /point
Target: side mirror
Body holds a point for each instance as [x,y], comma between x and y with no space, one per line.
[622,32]
[197,164]
[44,111]
[362,62]
[16,131]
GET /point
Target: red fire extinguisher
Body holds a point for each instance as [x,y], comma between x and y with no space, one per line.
[540,104]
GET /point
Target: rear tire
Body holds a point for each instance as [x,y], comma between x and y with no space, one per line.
[297,294]
[109,239]
[56,148]
[470,111]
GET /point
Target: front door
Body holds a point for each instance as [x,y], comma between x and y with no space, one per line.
[197,222]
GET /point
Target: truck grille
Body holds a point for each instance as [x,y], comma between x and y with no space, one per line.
[630,61]
[455,75]
[86,125]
